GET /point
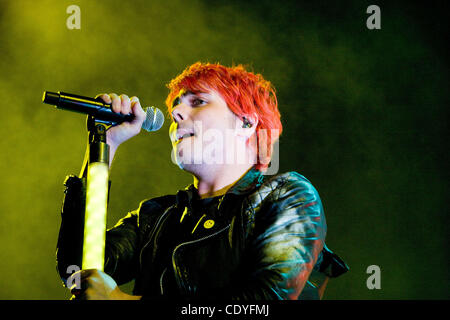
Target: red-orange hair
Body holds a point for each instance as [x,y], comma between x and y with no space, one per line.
[245,93]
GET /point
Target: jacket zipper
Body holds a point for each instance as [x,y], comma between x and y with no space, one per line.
[161,281]
[178,280]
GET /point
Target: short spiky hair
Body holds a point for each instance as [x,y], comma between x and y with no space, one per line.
[245,93]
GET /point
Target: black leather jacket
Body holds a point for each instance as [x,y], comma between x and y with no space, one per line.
[270,243]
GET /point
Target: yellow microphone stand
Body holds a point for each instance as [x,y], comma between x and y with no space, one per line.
[96,167]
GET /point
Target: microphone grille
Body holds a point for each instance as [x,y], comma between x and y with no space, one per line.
[154,119]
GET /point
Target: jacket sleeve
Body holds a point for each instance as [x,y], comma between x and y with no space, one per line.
[288,235]
[121,240]
[122,249]
[69,248]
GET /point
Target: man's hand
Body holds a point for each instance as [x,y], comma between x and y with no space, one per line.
[126,130]
[97,285]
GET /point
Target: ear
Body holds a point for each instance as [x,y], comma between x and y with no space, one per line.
[247,125]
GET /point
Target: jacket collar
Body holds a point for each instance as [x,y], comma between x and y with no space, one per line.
[249,182]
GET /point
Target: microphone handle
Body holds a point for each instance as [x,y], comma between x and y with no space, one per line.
[94,107]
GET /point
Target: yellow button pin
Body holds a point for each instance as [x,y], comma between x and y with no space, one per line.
[208,224]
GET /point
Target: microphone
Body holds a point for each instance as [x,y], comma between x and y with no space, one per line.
[100,110]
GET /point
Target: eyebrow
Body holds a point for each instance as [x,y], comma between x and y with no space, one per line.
[176,101]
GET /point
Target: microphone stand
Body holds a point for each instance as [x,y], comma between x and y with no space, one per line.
[96,169]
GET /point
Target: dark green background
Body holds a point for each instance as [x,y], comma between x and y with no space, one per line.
[364,113]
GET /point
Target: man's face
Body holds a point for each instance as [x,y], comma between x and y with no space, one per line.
[204,130]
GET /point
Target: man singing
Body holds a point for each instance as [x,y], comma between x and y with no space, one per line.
[236,232]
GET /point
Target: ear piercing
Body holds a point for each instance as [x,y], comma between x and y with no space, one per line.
[246,123]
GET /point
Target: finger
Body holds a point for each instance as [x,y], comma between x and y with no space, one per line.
[87,277]
[79,287]
[105,97]
[86,273]
[133,100]
[83,275]
[137,109]
[126,104]
[116,102]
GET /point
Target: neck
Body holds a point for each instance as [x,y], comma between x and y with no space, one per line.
[218,181]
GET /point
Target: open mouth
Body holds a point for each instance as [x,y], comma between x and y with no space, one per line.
[184,136]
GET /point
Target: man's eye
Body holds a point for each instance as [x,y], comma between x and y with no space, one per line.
[197,102]
[176,102]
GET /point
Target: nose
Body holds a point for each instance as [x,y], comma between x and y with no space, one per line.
[180,113]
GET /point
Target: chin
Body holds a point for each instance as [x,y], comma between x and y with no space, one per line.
[185,163]
[197,170]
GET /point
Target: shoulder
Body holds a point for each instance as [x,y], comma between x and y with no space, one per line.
[287,192]
[288,184]
[156,203]
[288,177]
[294,197]
[288,201]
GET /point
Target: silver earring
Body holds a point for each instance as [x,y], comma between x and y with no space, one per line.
[246,123]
